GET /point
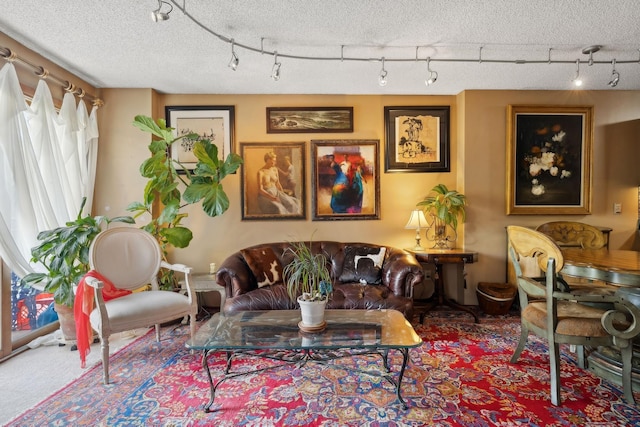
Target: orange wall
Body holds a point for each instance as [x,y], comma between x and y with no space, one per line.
[478,138]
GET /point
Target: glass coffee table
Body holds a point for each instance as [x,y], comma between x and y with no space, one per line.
[275,335]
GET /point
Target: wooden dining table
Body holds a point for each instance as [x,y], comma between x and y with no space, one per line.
[617,267]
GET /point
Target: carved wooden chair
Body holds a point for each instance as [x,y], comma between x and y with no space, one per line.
[572,234]
[130,258]
[564,318]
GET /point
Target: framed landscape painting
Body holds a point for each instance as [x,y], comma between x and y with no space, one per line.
[417,139]
[345,179]
[549,151]
[273,180]
[309,119]
[215,123]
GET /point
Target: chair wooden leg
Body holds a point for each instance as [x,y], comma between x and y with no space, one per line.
[192,325]
[104,346]
[157,332]
[524,335]
[627,384]
[580,354]
[554,372]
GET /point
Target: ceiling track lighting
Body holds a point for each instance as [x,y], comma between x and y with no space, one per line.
[233,63]
[432,76]
[591,50]
[615,76]
[275,70]
[577,81]
[157,15]
[382,78]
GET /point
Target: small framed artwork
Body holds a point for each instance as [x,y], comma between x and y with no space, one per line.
[309,119]
[273,180]
[417,139]
[215,123]
[549,159]
[345,179]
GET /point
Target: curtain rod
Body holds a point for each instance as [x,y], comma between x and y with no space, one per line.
[43,73]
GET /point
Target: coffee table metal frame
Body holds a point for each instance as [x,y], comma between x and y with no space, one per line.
[275,335]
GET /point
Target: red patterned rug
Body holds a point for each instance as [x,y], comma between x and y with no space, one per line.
[460,376]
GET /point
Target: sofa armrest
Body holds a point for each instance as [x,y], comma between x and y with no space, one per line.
[235,276]
[401,272]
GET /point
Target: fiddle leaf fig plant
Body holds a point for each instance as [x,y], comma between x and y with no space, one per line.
[163,198]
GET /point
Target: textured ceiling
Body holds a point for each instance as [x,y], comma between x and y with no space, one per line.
[116,44]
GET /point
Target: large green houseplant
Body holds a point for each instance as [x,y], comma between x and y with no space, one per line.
[167,192]
[308,281]
[64,253]
[444,206]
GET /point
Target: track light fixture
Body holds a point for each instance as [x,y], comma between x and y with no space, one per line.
[615,76]
[157,16]
[577,81]
[275,71]
[382,78]
[432,76]
[233,63]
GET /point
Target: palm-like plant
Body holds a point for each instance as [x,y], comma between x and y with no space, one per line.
[445,204]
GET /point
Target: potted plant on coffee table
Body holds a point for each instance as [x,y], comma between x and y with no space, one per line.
[444,206]
[64,253]
[308,281]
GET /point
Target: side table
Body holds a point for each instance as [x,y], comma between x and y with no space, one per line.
[206,283]
[439,257]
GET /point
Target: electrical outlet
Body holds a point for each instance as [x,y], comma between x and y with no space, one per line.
[617,208]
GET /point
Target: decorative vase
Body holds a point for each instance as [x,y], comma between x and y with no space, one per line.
[440,234]
[312,315]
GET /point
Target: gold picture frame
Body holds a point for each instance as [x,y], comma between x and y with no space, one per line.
[549,159]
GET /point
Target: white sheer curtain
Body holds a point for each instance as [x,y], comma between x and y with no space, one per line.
[48,165]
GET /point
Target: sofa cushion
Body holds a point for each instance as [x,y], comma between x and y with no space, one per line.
[363,264]
[264,265]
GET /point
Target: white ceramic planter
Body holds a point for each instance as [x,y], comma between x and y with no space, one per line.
[312,312]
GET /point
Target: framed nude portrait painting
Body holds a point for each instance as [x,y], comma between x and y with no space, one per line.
[273,180]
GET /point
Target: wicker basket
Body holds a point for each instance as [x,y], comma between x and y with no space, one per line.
[495,298]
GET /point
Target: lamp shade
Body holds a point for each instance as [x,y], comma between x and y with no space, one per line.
[417,220]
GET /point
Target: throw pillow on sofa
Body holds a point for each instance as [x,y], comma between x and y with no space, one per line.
[363,264]
[264,265]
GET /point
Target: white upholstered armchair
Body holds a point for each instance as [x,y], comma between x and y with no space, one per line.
[131,258]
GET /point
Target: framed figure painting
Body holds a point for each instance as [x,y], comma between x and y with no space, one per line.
[549,159]
[346,179]
[417,139]
[215,123]
[273,180]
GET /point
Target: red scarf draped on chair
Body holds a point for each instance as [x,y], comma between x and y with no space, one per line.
[83,306]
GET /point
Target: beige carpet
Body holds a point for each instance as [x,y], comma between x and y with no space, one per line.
[31,376]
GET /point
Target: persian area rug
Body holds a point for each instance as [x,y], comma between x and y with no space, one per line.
[460,376]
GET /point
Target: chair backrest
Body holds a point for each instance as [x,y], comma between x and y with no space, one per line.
[531,243]
[525,243]
[129,257]
[574,234]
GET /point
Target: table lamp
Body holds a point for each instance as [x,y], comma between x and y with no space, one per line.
[417,221]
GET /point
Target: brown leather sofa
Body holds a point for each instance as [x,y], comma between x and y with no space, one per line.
[365,276]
